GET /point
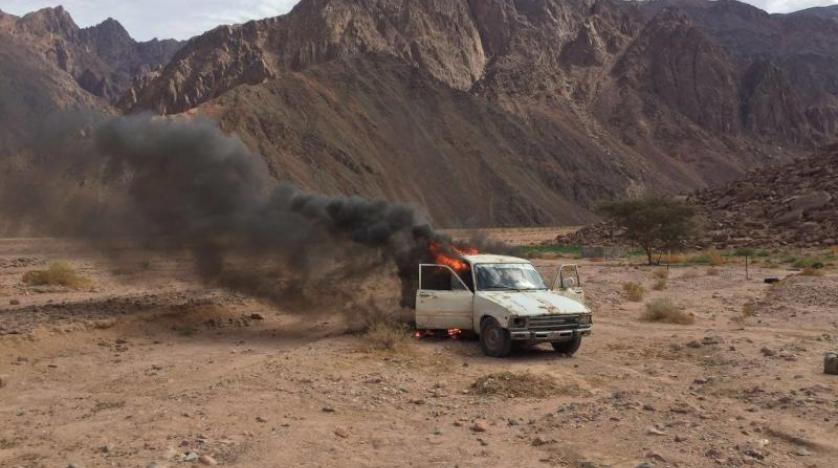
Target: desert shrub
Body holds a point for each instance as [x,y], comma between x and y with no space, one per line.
[788,259]
[653,223]
[808,262]
[675,259]
[58,274]
[716,258]
[749,310]
[634,291]
[811,271]
[386,335]
[660,284]
[551,252]
[711,257]
[664,310]
[661,273]
[523,384]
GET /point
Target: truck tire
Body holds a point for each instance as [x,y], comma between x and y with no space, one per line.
[494,339]
[568,347]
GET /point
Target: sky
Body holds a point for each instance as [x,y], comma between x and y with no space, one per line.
[182,19]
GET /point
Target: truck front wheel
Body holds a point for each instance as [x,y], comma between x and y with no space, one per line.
[568,347]
[494,339]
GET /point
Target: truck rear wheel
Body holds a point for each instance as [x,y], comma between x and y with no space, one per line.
[494,339]
[568,347]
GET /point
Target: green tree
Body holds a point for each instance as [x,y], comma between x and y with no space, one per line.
[652,223]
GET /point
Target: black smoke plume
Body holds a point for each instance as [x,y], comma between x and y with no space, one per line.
[183,186]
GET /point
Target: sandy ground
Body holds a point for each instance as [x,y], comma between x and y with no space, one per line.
[144,370]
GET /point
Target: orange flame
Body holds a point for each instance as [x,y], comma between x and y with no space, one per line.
[455,263]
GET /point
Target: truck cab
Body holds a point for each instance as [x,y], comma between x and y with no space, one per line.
[504,300]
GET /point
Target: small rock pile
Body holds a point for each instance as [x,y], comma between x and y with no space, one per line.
[791,205]
[794,205]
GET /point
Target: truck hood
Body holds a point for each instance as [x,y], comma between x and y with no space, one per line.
[531,303]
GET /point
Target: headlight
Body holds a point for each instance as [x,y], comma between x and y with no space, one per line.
[518,322]
[584,319]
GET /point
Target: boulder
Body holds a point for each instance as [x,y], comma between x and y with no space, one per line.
[811,201]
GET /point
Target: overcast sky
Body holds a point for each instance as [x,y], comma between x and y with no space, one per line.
[182,19]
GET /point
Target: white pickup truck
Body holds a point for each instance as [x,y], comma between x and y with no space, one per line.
[504,300]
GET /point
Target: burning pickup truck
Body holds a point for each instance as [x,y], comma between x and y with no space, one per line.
[504,300]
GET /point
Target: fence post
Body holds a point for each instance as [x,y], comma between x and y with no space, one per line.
[747,272]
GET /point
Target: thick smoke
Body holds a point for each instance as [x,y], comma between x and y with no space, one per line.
[184,186]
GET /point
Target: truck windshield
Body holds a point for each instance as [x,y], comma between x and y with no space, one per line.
[508,276]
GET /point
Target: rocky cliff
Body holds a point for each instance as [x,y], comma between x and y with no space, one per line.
[794,204]
[103,59]
[487,112]
[608,98]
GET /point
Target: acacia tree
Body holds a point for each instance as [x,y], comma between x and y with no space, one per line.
[653,223]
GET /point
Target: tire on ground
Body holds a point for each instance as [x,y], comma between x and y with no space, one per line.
[568,347]
[494,339]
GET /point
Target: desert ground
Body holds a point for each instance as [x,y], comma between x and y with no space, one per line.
[145,367]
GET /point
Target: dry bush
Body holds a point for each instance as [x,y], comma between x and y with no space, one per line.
[58,274]
[675,259]
[660,273]
[810,271]
[524,384]
[634,291]
[711,257]
[386,335]
[664,310]
[716,258]
[659,285]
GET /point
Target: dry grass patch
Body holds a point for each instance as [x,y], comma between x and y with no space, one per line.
[663,310]
[386,335]
[634,291]
[523,385]
[660,284]
[810,271]
[58,274]
[675,259]
[660,273]
[749,310]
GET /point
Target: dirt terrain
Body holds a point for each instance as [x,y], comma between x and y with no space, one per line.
[147,368]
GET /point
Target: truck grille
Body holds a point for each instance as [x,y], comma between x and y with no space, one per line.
[552,322]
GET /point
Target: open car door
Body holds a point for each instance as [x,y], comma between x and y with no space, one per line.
[568,284]
[443,301]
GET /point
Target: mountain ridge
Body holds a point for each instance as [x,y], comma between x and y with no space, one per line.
[547,106]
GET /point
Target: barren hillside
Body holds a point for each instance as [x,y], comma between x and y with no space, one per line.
[479,113]
[551,104]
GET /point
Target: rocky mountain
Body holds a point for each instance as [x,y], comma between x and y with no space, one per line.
[50,67]
[793,204]
[512,112]
[788,205]
[479,112]
[103,59]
